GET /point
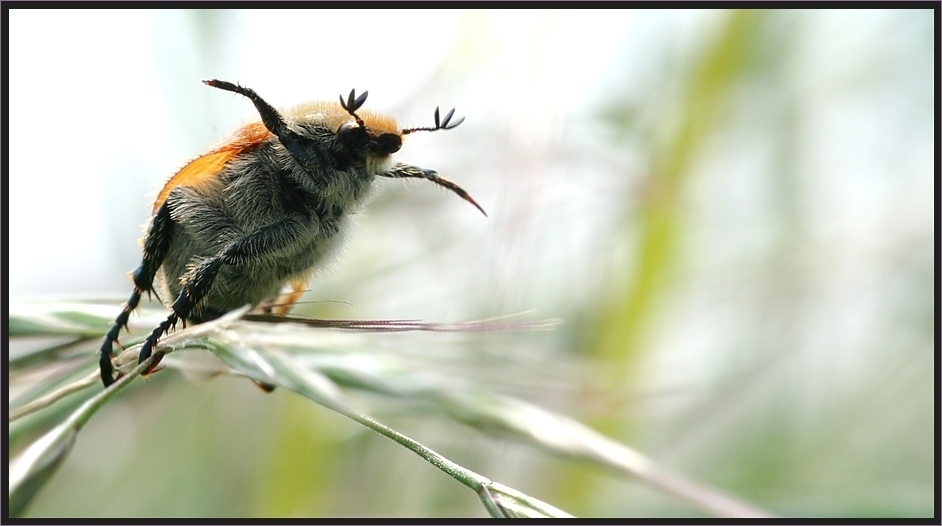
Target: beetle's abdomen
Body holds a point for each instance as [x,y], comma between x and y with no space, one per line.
[206,225]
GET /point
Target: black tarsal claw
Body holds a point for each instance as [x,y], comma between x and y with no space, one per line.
[146,350]
[225,86]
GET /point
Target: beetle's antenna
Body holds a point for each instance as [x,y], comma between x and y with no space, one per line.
[443,124]
[353,103]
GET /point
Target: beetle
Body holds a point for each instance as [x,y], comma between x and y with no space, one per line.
[257,213]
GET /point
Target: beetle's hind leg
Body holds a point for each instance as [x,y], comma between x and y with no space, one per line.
[156,244]
[281,304]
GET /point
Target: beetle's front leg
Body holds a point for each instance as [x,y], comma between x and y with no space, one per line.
[402,170]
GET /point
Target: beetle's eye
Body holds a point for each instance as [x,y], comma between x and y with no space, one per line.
[387,143]
[352,135]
